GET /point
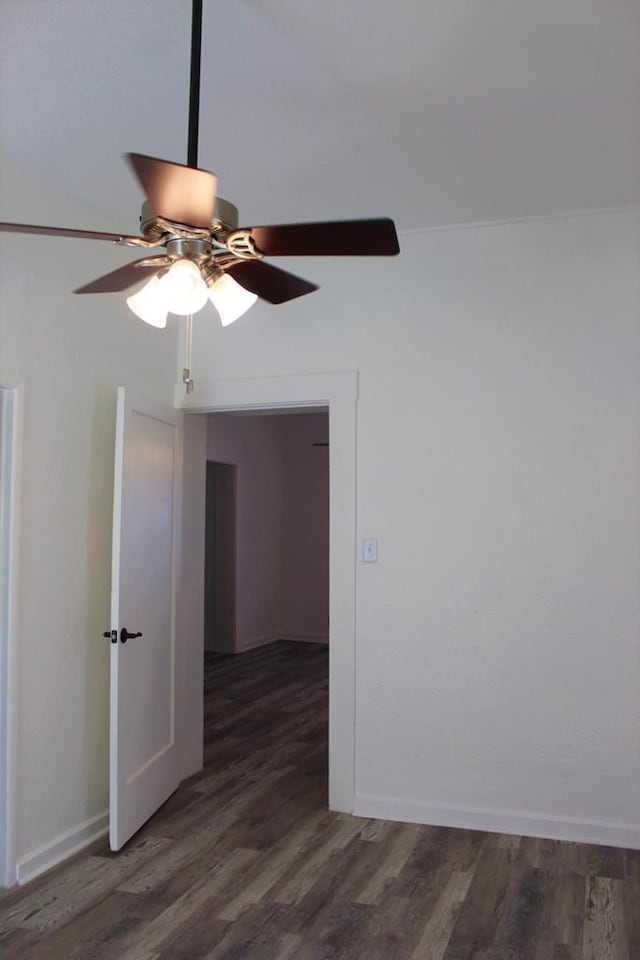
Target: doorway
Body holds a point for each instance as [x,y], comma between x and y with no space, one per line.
[336,391]
[267,530]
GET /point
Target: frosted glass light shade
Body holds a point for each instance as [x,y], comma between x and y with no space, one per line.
[182,288]
[148,304]
[230,299]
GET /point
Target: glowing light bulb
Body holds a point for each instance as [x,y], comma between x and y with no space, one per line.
[182,288]
[230,299]
[148,304]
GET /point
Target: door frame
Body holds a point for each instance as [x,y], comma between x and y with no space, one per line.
[339,392]
[10,469]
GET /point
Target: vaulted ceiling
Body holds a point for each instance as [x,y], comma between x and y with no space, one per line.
[431,111]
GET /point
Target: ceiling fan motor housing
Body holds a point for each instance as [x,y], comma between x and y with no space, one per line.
[226,213]
[154,227]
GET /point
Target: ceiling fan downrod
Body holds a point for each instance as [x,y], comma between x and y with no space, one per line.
[192,153]
[194,83]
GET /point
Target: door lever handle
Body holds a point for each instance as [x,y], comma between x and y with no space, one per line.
[125,635]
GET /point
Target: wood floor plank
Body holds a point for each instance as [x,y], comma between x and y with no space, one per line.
[193,939]
[174,858]
[392,857]
[401,920]
[562,920]
[483,907]
[520,925]
[27,944]
[245,861]
[630,898]
[304,872]
[439,924]
[270,870]
[341,931]
[604,935]
[102,923]
[77,887]
[153,935]
[257,936]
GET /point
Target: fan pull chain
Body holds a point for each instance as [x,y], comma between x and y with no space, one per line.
[188,344]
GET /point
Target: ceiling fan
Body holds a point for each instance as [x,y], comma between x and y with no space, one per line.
[205,255]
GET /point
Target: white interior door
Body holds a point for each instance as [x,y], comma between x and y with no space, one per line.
[144,768]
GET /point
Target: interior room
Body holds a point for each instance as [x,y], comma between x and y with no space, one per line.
[480,391]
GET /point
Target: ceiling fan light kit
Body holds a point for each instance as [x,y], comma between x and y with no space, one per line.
[207,257]
[230,299]
[183,289]
[148,305]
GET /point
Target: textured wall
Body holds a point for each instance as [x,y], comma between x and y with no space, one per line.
[497,664]
[69,353]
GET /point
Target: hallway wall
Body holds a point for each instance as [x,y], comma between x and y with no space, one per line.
[304,583]
[252,444]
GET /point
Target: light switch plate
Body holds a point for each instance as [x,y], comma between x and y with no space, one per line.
[369,550]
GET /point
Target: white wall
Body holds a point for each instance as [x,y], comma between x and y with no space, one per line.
[498,668]
[69,353]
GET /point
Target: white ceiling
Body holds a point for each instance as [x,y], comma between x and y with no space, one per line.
[430,111]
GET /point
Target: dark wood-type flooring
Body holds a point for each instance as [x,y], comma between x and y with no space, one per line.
[245,861]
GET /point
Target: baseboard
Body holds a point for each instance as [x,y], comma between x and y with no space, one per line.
[64,846]
[578,830]
[261,641]
[267,638]
[305,637]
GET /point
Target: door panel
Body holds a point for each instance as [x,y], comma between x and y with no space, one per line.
[144,764]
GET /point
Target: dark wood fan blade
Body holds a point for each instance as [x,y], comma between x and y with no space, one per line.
[59,232]
[269,283]
[176,192]
[124,277]
[350,238]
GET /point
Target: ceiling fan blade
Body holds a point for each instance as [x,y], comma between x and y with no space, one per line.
[59,232]
[269,283]
[176,192]
[124,277]
[351,238]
